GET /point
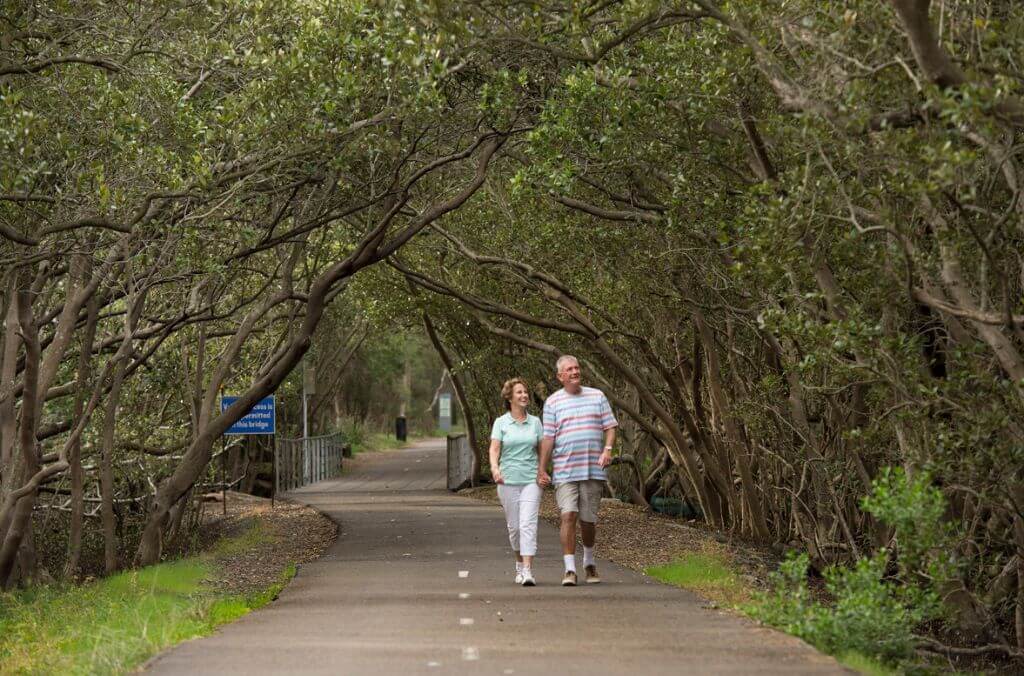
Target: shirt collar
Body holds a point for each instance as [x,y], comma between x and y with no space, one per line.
[512,419]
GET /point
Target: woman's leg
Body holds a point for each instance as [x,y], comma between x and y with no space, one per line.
[509,496]
[529,508]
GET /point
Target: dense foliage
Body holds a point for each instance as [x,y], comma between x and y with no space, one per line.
[784,236]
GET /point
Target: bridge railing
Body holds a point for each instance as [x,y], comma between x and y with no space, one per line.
[301,462]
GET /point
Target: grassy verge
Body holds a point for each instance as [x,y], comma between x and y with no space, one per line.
[439,433]
[712,575]
[709,574]
[113,625]
[376,441]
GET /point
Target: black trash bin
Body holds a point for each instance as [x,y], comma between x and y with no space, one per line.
[400,430]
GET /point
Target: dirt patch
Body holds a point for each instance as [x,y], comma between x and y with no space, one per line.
[267,540]
[637,539]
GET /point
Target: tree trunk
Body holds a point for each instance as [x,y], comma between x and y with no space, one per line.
[8,372]
[733,438]
[108,517]
[18,512]
[460,394]
[75,452]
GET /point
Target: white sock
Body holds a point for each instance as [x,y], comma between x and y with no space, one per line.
[570,562]
[588,556]
[519,566]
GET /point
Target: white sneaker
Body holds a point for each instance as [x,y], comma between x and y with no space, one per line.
[519,577]
[528,580]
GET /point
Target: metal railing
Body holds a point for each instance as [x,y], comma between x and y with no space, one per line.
[301,462]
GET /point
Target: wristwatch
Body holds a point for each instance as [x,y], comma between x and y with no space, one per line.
[609,448]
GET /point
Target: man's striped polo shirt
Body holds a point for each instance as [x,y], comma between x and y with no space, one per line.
[577,423]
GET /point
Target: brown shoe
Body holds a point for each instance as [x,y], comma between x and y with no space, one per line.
[569,579]
[592,576]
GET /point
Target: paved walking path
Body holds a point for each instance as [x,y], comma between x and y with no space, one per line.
[420,582]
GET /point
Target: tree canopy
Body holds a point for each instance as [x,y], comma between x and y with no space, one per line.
[784,237]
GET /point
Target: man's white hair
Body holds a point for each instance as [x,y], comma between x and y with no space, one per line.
[565,359]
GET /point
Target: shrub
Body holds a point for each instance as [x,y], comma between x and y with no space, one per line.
[914,508]
[869,614]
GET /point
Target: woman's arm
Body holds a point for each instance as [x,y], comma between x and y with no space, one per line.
[495,454]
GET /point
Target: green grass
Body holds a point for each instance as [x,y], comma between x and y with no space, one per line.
[863,664]
[254,535]
[708,573]
[113,625]
[377,441]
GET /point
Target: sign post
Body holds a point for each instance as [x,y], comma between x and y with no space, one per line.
[261,419]
[444,412]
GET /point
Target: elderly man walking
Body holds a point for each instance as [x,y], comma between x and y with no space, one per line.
[579,432]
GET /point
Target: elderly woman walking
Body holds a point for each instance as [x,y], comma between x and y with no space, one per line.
[515,439]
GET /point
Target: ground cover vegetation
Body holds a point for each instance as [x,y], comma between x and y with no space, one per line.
[114,624]
[783,236]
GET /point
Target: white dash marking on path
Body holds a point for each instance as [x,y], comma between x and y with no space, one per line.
[463,573]
[463,595]
[466,621]
[470,653]
[433,664]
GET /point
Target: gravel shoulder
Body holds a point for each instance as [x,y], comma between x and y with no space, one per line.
[272,538]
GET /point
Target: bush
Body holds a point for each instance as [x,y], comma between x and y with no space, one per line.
[870,615]
[914,508]
[355,433]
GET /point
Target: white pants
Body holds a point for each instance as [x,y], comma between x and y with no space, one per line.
[522,504]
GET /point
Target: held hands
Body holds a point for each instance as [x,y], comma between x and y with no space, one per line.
[543,478]
[605,459]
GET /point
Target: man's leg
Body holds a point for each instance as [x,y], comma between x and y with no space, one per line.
[589,532]
[590,502]
[568,533]
[568,498]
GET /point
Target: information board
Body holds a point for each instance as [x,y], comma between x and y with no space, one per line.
[444,412]
[261,418]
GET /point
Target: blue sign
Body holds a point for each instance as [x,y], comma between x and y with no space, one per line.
[261,418]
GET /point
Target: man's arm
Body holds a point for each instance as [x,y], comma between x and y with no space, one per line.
[609,443]
[546,446]
[609,423]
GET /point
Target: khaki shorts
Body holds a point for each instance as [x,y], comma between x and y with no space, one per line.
[580,496]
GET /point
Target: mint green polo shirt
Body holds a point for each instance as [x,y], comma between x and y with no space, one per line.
[519,446]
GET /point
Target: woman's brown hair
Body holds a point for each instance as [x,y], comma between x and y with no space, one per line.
[506,390]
